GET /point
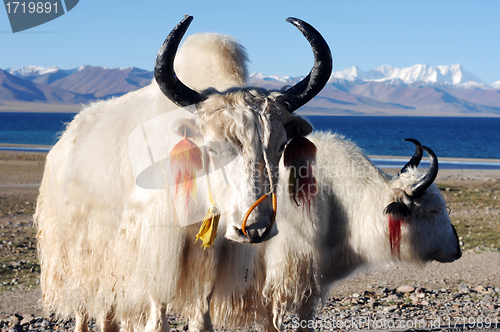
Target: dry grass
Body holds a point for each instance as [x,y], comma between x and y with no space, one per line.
[475,212]
[23,156]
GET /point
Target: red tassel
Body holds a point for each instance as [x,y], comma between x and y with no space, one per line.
[397,213]
[395,234]
[300,155]
[185,160]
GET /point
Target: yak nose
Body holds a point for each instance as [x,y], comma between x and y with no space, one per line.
[255,235]
[258,235]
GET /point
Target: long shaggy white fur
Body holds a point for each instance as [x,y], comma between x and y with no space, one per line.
[114,251]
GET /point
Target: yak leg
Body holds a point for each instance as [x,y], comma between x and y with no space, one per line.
[306,313]
[270,328]
[107,323]
[157,321]
[269,325]
[81,322]
[201,320]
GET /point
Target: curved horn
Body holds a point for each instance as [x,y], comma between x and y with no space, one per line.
[314,82]
[165,76]
[418,189]
[417,157]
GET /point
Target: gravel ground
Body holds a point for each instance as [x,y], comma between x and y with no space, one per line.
[438,296]
[395,297]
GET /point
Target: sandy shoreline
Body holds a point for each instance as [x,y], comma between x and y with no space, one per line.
[31,107]
[447,159]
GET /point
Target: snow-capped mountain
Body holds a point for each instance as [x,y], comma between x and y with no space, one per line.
[386,90]
[452,75]
[32,71]
[276,78]
[417,90]
[36,71]
[73,86]
[495,85]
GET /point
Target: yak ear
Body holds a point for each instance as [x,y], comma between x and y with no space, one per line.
[299,156]
[397,208]
[298,127]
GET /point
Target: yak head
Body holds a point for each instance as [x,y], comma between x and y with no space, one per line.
[419,228]
[245,131]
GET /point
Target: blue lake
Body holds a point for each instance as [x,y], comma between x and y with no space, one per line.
[32,128]
[447,137]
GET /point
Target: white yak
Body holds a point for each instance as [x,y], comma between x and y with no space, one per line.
[111,245]
[356,216]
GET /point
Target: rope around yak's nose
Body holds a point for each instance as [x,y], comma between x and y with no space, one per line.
[272,191]
[254,205]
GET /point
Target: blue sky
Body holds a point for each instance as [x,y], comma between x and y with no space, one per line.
[363,33]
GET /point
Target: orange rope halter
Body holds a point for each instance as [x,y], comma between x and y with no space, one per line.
[272,191]
[254,205]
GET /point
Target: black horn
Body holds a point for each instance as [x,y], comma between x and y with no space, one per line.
[417,157]
[418,189]
[314,82]
[165,75]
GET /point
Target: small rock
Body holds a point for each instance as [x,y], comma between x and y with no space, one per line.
[390,308]
[15,319]
[479,289]
[27,319]
[420,290]
[424,302]
[463,289]
[383,291]
[355,295]
[405,289]
[362,300]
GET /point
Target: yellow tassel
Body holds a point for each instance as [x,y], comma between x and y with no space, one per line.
[208,229]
